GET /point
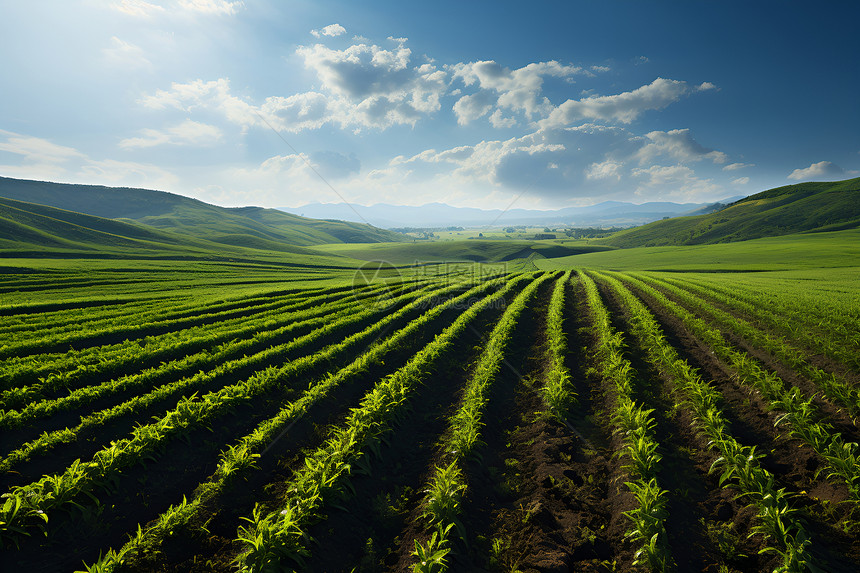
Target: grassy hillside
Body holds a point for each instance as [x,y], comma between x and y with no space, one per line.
[40,226]
[805,207]
[799,251]
[29,230]
[243,226]
[467,250]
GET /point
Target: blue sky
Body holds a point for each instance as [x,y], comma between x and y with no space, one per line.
[543,104]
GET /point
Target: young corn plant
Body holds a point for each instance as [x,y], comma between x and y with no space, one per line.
[270,543]
[444,493]
[801,416]
[558,392]
[739,465]
[636,426]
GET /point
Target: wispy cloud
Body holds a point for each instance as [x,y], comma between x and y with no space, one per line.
[126,55]
[186,133]
[624,107]
[45,160]
[37,150]
[143,9]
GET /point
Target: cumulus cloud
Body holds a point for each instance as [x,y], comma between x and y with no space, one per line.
[186,133]
[590,161]
[604,170]
[564,163]
[679,145]
[624,107]
[516,90]
[499,121]
[820,170]
[301,111]
[330,30]
[370,86]
[470,107]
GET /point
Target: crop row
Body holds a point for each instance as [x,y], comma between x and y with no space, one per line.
[151,346]
[740,465]
[799,412]
[278,537]
[29,505]
[212,347]
[636,427]
[239,458]
[447,485]
[826,327]
[833,385]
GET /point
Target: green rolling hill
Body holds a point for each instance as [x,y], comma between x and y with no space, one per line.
[37,228]
[252,227]
[805,207]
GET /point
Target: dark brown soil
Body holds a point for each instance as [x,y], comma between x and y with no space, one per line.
[139,494]
[212,549]
[793,463]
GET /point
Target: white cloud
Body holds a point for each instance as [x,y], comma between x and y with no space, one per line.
[624,107]
[370,86]
[736,166]
[679,145]
[36,149]
[741,181]
[295,113]
[44,160]
[143,9]
[211,6]
[125,55]
[330,30]
[199,94]
[137,8]
[605,170]
[820,170]
[515,90]
[186,133]
[470,107]
[674,181]
[498,121]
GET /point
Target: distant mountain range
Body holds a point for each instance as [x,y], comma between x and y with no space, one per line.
[433,215]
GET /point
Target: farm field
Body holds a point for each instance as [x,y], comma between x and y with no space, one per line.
[581,420]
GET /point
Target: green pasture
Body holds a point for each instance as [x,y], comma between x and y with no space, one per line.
[799,251]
